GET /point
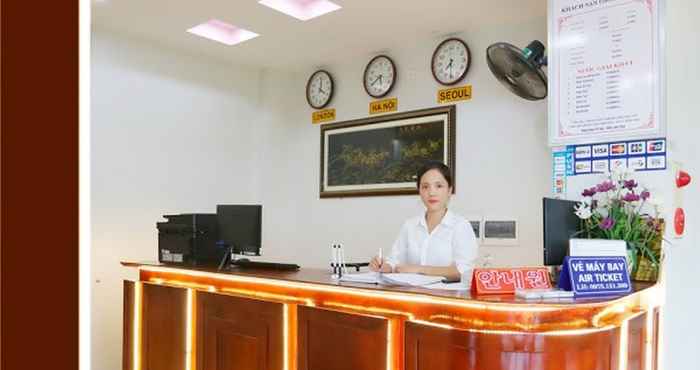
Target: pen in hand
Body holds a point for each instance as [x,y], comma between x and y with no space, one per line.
[381,260]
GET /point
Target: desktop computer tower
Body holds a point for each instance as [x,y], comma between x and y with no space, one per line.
[189,239]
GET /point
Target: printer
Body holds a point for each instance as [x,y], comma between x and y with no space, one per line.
[189,239]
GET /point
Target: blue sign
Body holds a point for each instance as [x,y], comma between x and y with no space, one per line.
[570,161]
[595,276]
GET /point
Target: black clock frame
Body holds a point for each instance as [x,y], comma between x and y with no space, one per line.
[393,82]
[308,84]
[469,61]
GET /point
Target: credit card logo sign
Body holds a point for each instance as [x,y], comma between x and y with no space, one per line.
[656,146]
[618,163]
[656,162]
[600,151]
[583,152]
[583,166]
[636,147]
[618,149]
[600,165]
[638,163]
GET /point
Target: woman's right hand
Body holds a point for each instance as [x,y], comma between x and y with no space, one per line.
[379,265]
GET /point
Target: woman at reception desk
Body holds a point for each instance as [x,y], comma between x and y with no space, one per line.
[179,317]
[438,242]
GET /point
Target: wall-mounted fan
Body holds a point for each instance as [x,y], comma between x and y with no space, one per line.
[519,70]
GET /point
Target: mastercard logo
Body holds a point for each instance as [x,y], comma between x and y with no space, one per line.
[617,149]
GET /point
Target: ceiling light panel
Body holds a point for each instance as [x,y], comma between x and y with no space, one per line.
[222,32]
[302,9]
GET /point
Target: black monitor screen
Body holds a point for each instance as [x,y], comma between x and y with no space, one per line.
[240,226]
[560,225]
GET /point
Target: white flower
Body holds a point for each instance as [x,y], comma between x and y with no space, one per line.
[621,174]
[603,212]
[658,205]
[603,200]
[583,210]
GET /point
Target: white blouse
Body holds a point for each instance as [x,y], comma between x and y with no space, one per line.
[452,241]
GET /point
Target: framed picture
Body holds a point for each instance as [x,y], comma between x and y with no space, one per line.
[381,155]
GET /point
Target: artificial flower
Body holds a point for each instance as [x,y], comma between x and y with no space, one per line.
[583,211]
[607,223]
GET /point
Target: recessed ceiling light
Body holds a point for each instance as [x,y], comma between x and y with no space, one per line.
[223,32]
[302,9]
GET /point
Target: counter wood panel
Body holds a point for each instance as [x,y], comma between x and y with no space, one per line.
[305,320]
[163,327]
[237,333]
[128,325]
[340,341]
[435,348]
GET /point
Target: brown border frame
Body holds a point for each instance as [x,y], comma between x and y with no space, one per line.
[451,148]
[393,83]
[308,83]
[469,62]
[39,193]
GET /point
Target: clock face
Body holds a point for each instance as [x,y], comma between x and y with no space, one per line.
[451,61]
[319,89]
[380,75]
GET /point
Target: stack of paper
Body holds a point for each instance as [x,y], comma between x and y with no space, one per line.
[362,277]
[405,279]
[543,293]
[410,279]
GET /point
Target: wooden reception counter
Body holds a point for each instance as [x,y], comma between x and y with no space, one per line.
[200,319]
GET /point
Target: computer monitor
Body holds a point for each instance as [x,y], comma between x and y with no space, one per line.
[560,225]
[240,227]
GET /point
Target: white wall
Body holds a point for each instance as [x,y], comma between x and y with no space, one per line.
[682,328]
[171,133]
[681,331]
[503,163]
[175,133]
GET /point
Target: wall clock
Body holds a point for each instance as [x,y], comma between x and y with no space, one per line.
[451,61]
[319,89]
[380,76]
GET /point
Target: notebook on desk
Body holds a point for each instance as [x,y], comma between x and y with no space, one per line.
[405,279]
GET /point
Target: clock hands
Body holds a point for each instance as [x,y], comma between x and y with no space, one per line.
[320,87]
[449,66]
[375,80]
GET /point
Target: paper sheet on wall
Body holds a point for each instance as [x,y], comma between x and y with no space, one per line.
[604,70]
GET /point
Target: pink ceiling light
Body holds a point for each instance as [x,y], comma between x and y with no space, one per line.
[301,9]
[222,32]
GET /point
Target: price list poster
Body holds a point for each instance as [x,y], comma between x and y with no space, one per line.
[605,74]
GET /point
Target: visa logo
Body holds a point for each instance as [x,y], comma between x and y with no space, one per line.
[600,150]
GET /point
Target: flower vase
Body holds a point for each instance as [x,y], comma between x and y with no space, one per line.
[646,271]
[632,259]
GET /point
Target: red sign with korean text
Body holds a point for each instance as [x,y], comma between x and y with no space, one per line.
[507,280]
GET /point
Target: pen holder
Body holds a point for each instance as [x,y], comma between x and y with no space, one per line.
[337,261]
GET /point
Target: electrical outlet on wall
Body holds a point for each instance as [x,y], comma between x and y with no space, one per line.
[500,231]
[477,223]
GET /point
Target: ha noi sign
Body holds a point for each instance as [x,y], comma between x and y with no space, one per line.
[595,276]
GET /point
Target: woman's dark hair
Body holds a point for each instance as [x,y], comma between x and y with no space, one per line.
[434,165]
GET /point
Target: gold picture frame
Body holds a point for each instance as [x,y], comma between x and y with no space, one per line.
[380,155]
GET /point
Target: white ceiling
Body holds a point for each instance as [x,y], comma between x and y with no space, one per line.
[361,27]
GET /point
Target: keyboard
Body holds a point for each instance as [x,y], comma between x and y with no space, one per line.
[244,264]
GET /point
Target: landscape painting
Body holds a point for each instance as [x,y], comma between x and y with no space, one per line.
[381,155]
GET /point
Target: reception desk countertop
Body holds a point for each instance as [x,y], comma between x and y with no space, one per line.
[602,327]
